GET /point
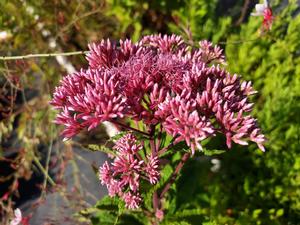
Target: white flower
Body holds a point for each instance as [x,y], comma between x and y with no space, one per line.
[18,217]
[216,165]
[260,9]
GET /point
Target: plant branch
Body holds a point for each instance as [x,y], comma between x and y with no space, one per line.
[43,55]
[244,12]
[130,128]
[48,160]
[39,165]
[163,150]
[172,179]
[155,200]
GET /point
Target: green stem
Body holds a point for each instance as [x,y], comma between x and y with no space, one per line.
[130,128]
[48,158]
[6,58]
[39,165]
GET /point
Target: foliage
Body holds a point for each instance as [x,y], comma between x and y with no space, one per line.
[198,20]
[273,61]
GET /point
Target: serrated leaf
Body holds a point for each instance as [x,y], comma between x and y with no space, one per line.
[108,203]
[141,217]
[127,219]
[189,212]
[104,217]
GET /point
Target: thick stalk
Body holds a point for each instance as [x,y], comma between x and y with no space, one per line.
[151,139]
[172,179]
[155,200]
[163,150]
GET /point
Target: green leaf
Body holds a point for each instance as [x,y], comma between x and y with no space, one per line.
[118,136]
[126,219]
[176,157]
[213,152]
[177,223]
[165,175]
[189,212]
[108,203]
[100,148]
[88,211]
[104,217]
[210,223]
[279,212]
[256,213]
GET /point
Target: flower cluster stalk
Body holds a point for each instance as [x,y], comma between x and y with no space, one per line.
[173,177]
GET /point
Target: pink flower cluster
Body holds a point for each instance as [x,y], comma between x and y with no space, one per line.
[122,177]
[159,80]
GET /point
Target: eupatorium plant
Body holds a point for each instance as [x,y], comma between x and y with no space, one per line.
[164,92]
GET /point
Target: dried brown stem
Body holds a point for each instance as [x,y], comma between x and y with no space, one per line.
[244,12]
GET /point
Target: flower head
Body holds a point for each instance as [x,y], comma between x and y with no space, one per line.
[17,217]
[159,80]
[260,9]
[86,99]
[105,173]
[265,11]
[127,145]
[122,177]
[183,121]
[132,201]
[152,169]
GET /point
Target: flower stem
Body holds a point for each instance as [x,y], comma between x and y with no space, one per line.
[172,179]
[163,150]
[130,128]
[39,165]
[6,58]
[155,202]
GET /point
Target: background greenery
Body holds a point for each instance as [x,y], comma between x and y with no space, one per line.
[251,187]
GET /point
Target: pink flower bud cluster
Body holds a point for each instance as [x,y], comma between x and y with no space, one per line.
[159,80]
[122,177]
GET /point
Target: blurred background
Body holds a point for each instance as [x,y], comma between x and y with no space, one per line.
[51,180]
